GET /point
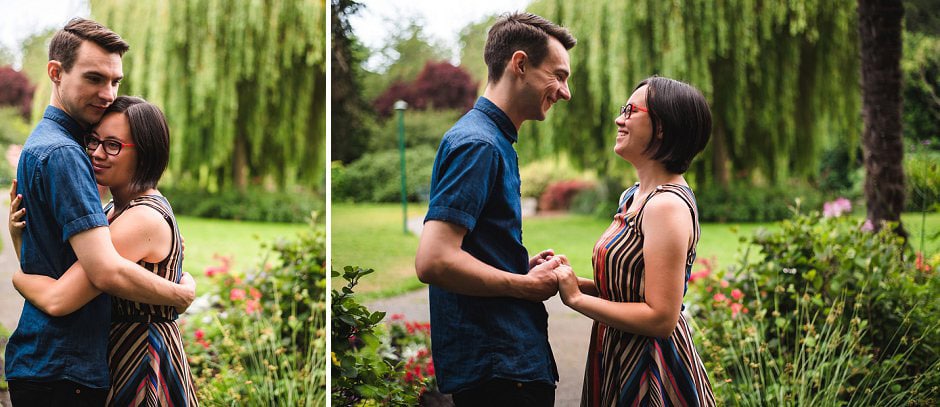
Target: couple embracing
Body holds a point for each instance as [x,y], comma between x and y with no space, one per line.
[103,285]
[489,337]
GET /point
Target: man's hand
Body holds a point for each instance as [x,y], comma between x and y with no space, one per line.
[189,285]
[541,282]
[540,258]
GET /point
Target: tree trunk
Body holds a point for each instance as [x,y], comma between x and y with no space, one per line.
[879,28]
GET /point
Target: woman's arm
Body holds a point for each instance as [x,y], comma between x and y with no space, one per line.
[139,234]
[667,229]
[17,223]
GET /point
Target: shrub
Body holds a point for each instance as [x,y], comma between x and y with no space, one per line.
[254,204]
[922,173]
[558,195]
[260,338]
[422,128]
[16,91]
[825,309]
[537,175]
[376,176]
[14,129]
[440,85]
[361,375]
[745,203]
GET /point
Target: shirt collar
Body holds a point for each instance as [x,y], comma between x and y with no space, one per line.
[497,116]
[63,119]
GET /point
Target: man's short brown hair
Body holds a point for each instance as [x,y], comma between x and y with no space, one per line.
[65,43]
[525,32]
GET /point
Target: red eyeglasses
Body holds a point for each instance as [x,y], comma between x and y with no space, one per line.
[628,110]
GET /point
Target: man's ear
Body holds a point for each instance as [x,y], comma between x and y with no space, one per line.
[518,63]
[55,71]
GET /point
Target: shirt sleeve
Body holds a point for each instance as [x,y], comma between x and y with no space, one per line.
[466,175]
[69,184]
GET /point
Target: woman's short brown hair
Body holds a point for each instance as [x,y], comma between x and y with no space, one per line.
[682,122]
[151,137]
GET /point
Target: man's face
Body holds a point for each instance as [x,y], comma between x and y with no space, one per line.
[92,84]
[548,82]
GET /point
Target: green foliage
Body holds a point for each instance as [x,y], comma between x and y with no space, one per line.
[422,128]
[407,51]
[826,309]
[376,177]
[472,41]
[782,78]
[753,204]
[265,343]
[536,176]
[840,172]
[242,84]
[14,129]
[360,374]
[922,177]
[352,123]
[920,65]
[253,204]
[4,337]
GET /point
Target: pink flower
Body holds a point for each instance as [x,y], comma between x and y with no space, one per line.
[252,306]
[868,226]
[200,334]
[737,294]
[699,274]
[836,208]
[720,297]
[236,294]
[397,317]
[254,293]
[723,283]
[735,309]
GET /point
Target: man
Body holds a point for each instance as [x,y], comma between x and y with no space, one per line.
[63,361]
[489,326]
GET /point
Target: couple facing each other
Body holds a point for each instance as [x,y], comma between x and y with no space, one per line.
[75,344]
[489,342]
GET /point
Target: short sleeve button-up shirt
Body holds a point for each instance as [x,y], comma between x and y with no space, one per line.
[61,199]
[475,184]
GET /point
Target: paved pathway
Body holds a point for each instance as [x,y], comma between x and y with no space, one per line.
[11,303]
[568,333]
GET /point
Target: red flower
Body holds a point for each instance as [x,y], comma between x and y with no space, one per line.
[236,294]
[200,334]
[737,294]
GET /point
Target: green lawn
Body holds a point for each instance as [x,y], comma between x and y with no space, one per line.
[370,236]
[241,241]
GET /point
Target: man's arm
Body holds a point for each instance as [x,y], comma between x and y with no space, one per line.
[113,274]
[442,262]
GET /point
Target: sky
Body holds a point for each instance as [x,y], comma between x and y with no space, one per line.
[19,19]
[443,19]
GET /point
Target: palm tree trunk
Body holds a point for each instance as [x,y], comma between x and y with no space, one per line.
[879,28]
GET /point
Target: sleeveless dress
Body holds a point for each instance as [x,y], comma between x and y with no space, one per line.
[625,369]
[147,362]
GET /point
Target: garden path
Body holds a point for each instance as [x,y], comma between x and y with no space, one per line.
[11,303]
[568,333]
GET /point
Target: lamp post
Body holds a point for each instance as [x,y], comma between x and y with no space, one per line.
[400,106]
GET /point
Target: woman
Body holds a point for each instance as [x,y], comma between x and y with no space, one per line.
[641,350]
[129,150]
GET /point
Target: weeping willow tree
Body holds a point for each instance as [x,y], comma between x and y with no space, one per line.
[242,83]
[781,77]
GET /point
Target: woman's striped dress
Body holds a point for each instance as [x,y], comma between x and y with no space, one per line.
[624,369]
[145,352]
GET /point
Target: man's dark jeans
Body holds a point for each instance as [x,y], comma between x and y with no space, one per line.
[508,393]
[24,393]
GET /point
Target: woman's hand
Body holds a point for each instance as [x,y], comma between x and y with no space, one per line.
[17,222]
[567,285]
[540,258]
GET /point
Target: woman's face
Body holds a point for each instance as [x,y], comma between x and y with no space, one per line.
[633,134]
[113,170]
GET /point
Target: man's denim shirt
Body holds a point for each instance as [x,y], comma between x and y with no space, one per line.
[475,184]
[61,199]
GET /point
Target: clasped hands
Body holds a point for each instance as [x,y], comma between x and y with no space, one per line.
[550,274]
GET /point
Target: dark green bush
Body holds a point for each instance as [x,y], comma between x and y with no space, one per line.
[823,293]
[260,335]
[422,128]
[254,204]
[746,203]
[361,375]
[376,177]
